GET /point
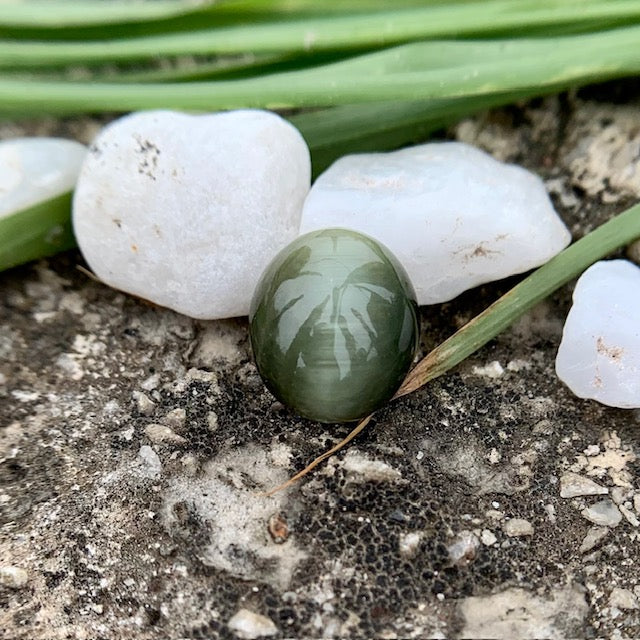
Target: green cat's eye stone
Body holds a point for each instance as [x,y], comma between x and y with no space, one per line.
[334,325]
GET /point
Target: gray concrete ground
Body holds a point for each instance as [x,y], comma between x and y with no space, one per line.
[134,444]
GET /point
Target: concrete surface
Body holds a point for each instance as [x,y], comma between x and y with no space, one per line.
[134,444]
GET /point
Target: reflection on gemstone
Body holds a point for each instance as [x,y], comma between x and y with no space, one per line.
[334,325]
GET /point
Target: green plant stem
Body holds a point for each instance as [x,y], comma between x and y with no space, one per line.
[331,133]
[409,72]
[341,32]
[36,232]
[67,13]
[570,263]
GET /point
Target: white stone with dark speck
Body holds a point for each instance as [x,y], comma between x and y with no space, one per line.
[453,215]
[187,210]
[599,356]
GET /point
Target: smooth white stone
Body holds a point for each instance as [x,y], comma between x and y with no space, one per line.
[249,625]
[599,355]
[33,170]
[453,215]
[186,211]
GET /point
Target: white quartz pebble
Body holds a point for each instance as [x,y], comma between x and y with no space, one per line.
[33,170]
[599,356]
[453,215]
[187,210]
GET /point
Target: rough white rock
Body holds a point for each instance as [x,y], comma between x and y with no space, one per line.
[409,543]
[603,513]
[186,211]
[159,433]
[147,463]
[453,215]
[249,625]
[517,613]
[599,355]
[515,527]
[14,577]
[33,170]
[594,536]
[573,485]
[463,548]
[488,538]
[623,599]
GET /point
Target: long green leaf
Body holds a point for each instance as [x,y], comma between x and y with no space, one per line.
[36,232]
[331,32]
[332,133]
[65,13]
[409,72]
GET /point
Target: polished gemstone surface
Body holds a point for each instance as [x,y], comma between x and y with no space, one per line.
[334,325]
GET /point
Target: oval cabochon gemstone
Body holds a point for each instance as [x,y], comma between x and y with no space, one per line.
[334,325]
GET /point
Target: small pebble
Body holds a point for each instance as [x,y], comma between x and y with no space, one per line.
[603,513]
[573,485]
[408,543]
[594,536]
[176,419]
[488,538]
[13,577]
[160,434]
[278,528]
[190,464]
[145,405]
[148,463]
[451,214]
[212,421]
[462,551]
[619,494]
[623,599]
[550,510]
[361,468]
[247,624]
[629,515]
[492,370]
[186,210]
[515,527]
[34,170]
[636,503]
[599,355]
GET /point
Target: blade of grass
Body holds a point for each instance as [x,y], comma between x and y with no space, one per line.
[166,71]
[331,133]
[409,72]
[342,32]
[570,263]
[64,13]
[36,232]
[567,265]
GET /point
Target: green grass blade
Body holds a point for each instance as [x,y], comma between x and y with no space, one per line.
[568,264]
[36,232]
[67,13]
[332,133]
[342,32]
[424,70]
